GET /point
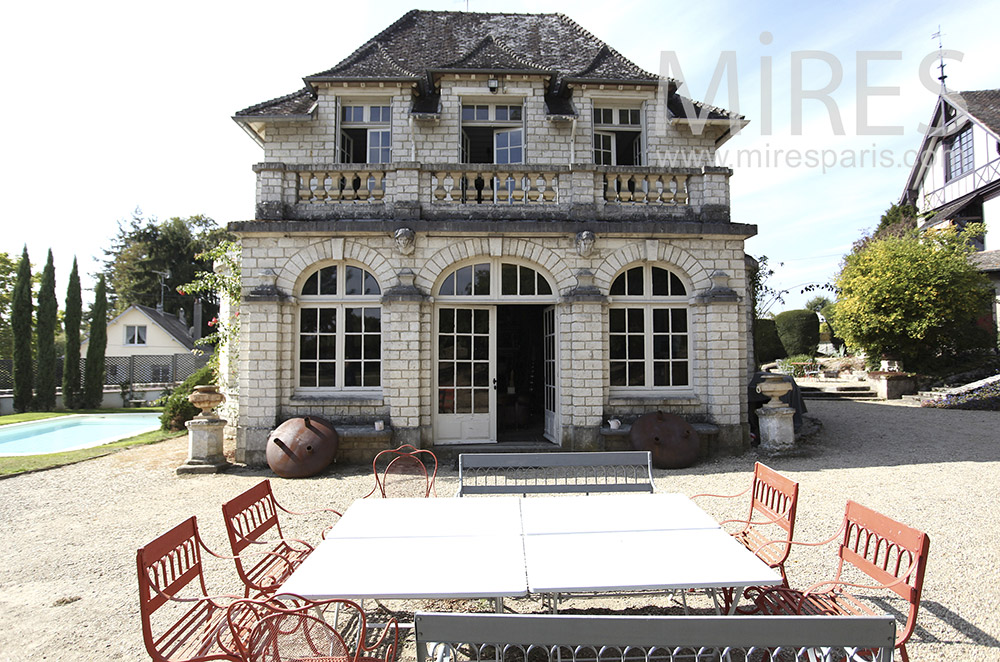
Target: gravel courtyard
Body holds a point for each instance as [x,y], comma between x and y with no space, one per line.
[68,587]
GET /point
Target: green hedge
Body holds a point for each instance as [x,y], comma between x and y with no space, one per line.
[798,331]
[767,345]
[177,410]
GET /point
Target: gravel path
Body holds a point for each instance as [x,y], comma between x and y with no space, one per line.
[68,587]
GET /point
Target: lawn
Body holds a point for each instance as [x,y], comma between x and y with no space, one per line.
[13,465]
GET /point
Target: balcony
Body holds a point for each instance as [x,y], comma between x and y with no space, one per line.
[490,192]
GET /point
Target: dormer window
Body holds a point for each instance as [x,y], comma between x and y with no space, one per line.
[617,136]
[365,136]
[492,133]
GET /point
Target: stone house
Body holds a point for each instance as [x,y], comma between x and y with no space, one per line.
[956,176]
[489,228]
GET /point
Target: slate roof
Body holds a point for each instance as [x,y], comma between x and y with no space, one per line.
[290,105]
[986,260]
[984,105]
[169,323]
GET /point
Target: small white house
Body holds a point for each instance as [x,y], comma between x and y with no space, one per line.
[141,331]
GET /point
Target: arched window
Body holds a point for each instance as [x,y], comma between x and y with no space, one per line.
[648,331]
[478,280]
[340,330]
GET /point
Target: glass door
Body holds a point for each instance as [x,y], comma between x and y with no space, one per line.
[466,385]
[549,359]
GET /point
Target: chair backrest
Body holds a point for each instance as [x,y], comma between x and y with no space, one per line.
[886,550]
[774,499]
[251,515]
[555,473]
[171,566]
[573,638]
[404,471]
[273,631]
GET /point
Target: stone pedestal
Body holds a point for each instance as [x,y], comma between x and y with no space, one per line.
[777,431]
[205,454]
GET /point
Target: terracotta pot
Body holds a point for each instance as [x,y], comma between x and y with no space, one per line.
[206,398]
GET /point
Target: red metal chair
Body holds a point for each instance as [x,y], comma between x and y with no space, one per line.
[404,471]
[892,554]
[192,626]
[270,631]
[250,519]
[773,502]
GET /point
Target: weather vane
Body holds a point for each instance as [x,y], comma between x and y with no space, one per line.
[938,35]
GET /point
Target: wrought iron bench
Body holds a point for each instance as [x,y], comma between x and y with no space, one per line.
[554,473]
[572,638]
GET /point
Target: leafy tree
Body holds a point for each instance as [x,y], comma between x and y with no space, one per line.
[767,345]
[71,361]
[93,374]
[915,298]
[20,320]
[146,250]
[897,221]
[8,275]
[817,304]
[45,339]
[798,331]
[762,295]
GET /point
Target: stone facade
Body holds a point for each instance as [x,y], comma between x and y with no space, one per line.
[665,215]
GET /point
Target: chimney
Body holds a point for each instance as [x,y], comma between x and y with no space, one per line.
[197,320]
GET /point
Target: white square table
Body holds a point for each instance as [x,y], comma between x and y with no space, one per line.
[496,547]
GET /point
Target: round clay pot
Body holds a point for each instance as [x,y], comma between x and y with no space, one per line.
[206,398]
[671,440]
[301,447]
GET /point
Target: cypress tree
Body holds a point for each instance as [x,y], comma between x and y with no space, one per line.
[93,372]
[45,339]
[20,322]
[71,362]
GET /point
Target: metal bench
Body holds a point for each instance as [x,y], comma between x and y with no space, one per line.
[554,473]
[571,638]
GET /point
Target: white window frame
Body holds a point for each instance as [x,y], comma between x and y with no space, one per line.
[635,111]
[376,118]
[495,293]
[486,116]
[648,304]
[339,302]
[134,335]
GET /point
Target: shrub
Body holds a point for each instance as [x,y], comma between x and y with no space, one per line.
[767,345]
[795,365]
[798,331]
[177,410]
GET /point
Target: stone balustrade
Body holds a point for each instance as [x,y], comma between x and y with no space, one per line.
[642,188]
[341,185]
[495,185]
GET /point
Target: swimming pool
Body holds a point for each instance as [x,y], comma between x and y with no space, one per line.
[67,433]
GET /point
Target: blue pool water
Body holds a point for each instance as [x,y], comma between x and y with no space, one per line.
[66,433]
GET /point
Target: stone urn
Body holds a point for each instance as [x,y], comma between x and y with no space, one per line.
[206,398]
[773,386]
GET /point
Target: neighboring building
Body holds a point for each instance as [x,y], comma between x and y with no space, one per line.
[480,228]
[143,344]
[956,176]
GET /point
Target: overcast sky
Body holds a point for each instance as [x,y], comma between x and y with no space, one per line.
[117,105]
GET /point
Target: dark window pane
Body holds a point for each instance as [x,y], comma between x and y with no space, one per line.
[328,320]
[328,347]
[468,112]
[508,279]
[307,347]
[676,286]
[482,322]
[352,374]
[327,374]
[373,320]
[617,320]
[446,347]
[311,285]
[352,347]
[679,320]
[616,346]
[636,347]
[634,282]
[373,373]
[481,401]
[618,374]
[661,320]
[618,286]
[501,114]
[373,347]
[481,348]
[661,346]
[307,374]
[446,374]
[543,285]
[515,113]
[446,400]
[481,374]
[679,347]
[371,285]
[680,373]
[482,280]
[527,280]
[328,280]
[353,277]
[463,281]
[635,320]
[661,282]
[463,320]
[636,373]
[463,347]
[308,319]
[352,320]
[463,401]
[463,374]
[661,374]
[446,320]
[448,286]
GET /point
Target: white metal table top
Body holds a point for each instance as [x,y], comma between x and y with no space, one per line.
[612,512]
[424,518]
[641,560]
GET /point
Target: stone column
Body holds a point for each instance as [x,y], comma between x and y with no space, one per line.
[581,341]
[405,357]
[259,375]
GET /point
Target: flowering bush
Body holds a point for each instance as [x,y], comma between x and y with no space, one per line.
[984,398]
